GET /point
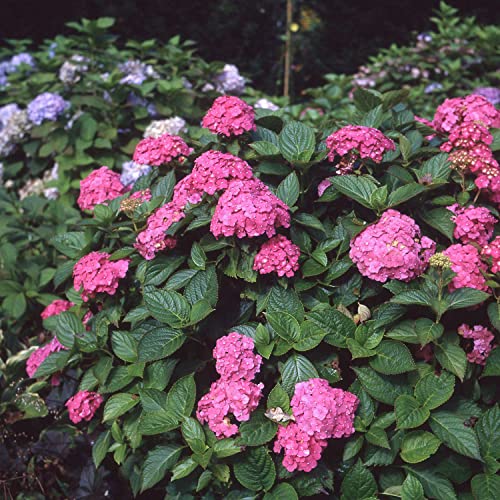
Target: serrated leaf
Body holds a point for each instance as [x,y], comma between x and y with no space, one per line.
[338,326]
[167,307]
[257,431]
[157,462]
[358,483]
[412,489]
[296,142]
[392,358]
[118,404]
[378,437]
[159,343]
[281,492]
[184,468]
[285,325]
[296,369]
[255,470]
[409,413]
[452,431]
[486,486]
[382,387]
[465,297]
[358,188]
[181,397]
[435,485]
[193,434]
[492,367]
[488,432]
[404,193]
[432,390]
[101,447]
[289,189]
[418,446]
[452,357]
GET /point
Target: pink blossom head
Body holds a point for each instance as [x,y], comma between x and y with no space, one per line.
[492,251]
[481,338]
[235,358]
[153,239]
[161,150]
[56,307]
[229,116]
[41,354]
[466,263]
[187,191]
[226,397]
[83,405]
[355,141]
[466,136]
[213,170]
[472,224]
[323,411]
[98,187]
[96,273]
[302,451]
[248,208]
[278,255]
[392,249]
[472,108]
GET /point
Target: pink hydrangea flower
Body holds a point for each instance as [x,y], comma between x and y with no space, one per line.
[95,273]
[482,346]
[143,196]
[157,151]
[392,249]
[323,411]
[466,136]
[83,405]
[153,239]
[248,208]
[466,263]
[278,255]
[98,187]
[302,451]
[56,307]
[235,358]
[229,116]
[213,170]
[492,250]
[237,397]
[187,191]
[355,141]
[323,186]
[472,224]
[472,108]
[41,354]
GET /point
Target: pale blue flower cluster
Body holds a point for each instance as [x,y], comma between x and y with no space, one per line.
[46,106]
[131,171]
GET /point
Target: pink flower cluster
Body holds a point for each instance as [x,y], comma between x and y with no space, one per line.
[100,186]
[278,255]
[321,413]
[469,109]
[248,208]
[357,141]
[160,150]
[492,250]
[392,249]
[95,273]
[153,239]
[41,354]
[472,224]
[83,405]
[482,339]
[234,393]
[467,136]
[466,263]
[143,196]
[56,307]
[229,116]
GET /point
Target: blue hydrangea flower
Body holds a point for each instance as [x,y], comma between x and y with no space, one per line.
[22,58]
[492,94]
[136,72]
[46,106]
[230,81]
[6,112]
[131,171]
[432,87]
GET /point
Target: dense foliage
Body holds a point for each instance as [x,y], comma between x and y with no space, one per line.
[251,302]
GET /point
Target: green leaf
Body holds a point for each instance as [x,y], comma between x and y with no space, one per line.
[182,396]
[494,315]
[337,326]
[67,326]
[198,256]
[101,447]
[289,189]
[282,491]
[432,390]
[365,99]
[285,325]
[203,286]
[226,448]
[451,430]
[265,148]
[32,405]
[310,337]
[158,422]
[452,357]
[204,480]
[358,188]
[392,358]
[118,404]
[378,437]
[159,269]
[435,485]
[72,244]
[124,345]
[358,483]
[419,446]
[486,486]
[278,398]
[257,431]
[440,219]
[167,307]
[405,193]
[193,434]
[153,400]
[296,142]
[492,367]
[382,387]
[296,369]
[412,489]
[352,448]
[413,298]
[184,468]
[255,470]
[409,413]
[465,297]
[159,343]
[488,432]
[420,331]
[56,362]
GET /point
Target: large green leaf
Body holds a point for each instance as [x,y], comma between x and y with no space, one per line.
[257,431]
[452,431]
[296,369]
[381,387]
[392,358]
[358,188]
[488,432]
[433,390]
[452,357]
[285,325]
[101,447]
[296,142]
[486,486]
[193,434]
[465,297]
[358,483]
[159,343]
[282,491]
[435,485]
[167,306]
[157,462]
[255,470]
[409,413]
[118,404]
[181,397]
[412,489]
[419,446]
[289,189]
[338,326]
